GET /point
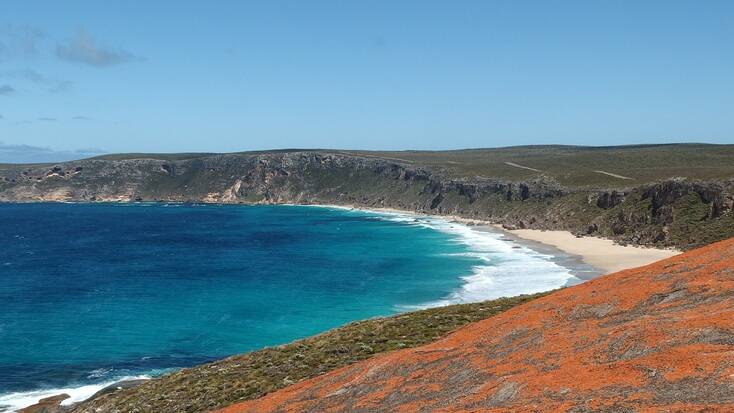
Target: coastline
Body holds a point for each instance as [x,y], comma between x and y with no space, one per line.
[600,254]
[509,268]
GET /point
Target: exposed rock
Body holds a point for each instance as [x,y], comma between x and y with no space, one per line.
[609,199]
[666,193]
[120,385]
[618,228]
[48,405]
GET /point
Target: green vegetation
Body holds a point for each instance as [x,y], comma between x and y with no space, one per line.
[573,166]
[691,227]
[252,375]
[576,165]
[158,156]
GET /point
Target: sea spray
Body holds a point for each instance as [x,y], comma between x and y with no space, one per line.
[508,268]
[17,400]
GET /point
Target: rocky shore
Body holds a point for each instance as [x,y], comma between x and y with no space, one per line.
[53,404]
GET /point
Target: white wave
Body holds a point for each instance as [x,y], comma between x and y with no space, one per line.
[508,269]
[11,402]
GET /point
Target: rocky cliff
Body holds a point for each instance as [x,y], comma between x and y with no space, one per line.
[673,212]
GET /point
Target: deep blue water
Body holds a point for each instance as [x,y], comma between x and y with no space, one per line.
[94,292]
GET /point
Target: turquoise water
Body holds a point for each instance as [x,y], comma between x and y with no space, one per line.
[92,293]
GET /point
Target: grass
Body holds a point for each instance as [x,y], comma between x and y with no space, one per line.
[159,156]
[691,227]
[573,166]
[252,375]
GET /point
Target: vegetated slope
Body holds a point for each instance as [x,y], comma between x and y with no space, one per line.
[255,374]
[668,195]
[654,338]
[575,166]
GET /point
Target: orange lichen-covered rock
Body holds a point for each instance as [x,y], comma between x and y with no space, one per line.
[658,338]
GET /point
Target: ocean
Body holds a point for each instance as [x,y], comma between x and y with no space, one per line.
[96,293]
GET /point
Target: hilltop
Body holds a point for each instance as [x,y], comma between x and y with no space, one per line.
[675,195]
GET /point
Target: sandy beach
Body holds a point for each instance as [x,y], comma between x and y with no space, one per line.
[598,252]
[603,254]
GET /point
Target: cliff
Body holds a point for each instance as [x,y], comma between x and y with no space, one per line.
[661,207]
[655,338]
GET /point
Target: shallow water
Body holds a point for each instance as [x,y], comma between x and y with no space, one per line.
[93,293]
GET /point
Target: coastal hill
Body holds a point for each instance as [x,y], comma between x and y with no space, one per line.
[654,338]
[673,195]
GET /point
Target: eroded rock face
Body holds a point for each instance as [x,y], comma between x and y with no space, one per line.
[655,338]
[608,199]
[305,177]
[666,193]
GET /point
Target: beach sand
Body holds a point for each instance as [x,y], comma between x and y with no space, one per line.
[602,254]
[598,252]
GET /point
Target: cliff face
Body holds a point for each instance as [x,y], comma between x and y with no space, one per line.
[269,178]
[655,338]
[673,213]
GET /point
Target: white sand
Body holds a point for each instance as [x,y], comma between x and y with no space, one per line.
[600,253]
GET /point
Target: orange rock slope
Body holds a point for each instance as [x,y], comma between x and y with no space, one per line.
[658,338]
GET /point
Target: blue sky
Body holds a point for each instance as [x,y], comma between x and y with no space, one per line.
[123,76]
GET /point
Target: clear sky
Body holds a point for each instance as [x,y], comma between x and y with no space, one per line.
[170,76]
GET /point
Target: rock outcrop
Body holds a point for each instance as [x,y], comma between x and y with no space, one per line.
[655,338]
[50,404]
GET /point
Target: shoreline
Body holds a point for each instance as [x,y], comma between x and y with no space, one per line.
[598,252]
[510,267]
[575,263]
[602,254]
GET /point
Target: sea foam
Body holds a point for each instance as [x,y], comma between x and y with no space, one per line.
[508,268]
[505,268]
[11,402]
